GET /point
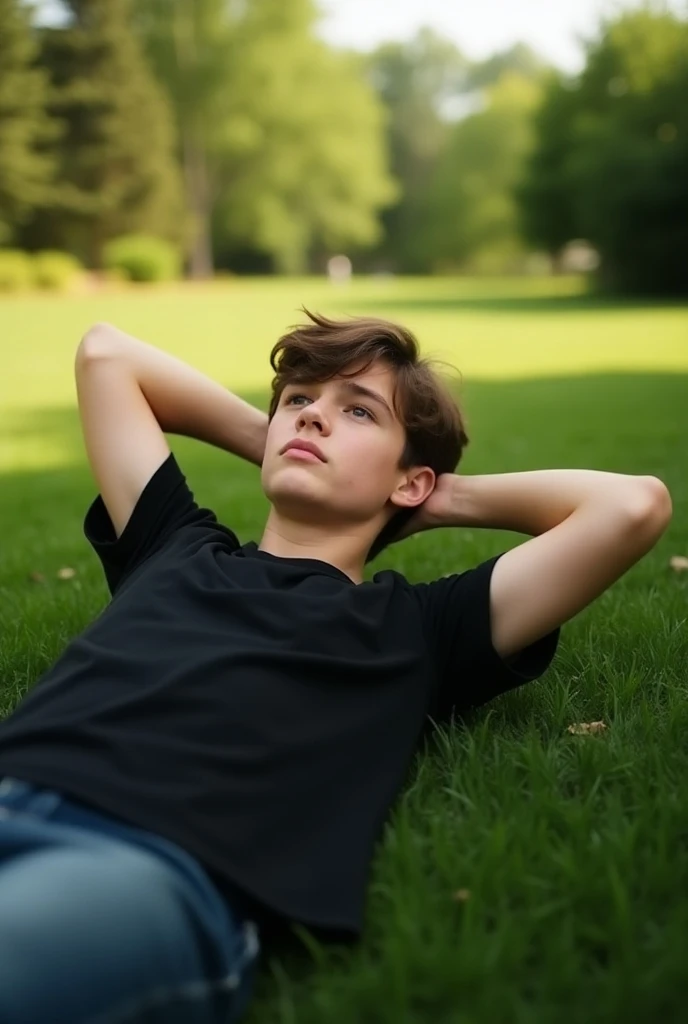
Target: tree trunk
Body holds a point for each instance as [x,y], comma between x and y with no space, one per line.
[198,196]
[557,257]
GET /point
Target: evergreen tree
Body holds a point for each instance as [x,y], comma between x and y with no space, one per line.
[117,171]
[24,127]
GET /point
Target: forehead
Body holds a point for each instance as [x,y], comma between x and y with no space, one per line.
[378,376]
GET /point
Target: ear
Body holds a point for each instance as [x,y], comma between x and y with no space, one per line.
[416,485]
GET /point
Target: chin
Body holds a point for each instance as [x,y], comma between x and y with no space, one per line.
[293,490]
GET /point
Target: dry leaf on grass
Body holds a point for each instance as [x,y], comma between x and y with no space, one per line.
[461,895]
[37,577]
[584,728]
[66,573]
[679,563]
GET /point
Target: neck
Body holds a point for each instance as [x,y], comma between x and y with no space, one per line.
[345,547]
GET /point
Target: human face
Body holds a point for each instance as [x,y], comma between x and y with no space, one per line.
[352,422]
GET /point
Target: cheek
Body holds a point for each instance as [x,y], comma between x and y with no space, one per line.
[369,463]
[276,435]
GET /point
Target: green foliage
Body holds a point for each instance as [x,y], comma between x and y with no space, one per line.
[414,80]
[25,169]
[611,159]
[116,167]
[54,270]
[470,220]
[518,59]
[51,270]
[430,89]
[314,175]
[545,190]
[15,270]
[281,139]
[142,258]
[631,158]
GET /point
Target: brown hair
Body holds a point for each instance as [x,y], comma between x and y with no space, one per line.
[434,425]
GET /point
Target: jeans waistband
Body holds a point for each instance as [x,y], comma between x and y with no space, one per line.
[64,809]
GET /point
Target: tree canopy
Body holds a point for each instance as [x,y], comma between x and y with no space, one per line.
[231,130]
[611,159]
[281,138]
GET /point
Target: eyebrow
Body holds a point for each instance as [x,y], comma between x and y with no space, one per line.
[358,389]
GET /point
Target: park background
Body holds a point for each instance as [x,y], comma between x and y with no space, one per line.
[194,171]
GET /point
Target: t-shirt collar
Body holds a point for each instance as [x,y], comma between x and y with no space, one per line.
[251,550]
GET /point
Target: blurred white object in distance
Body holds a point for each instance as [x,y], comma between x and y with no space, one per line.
[579,257]
[339,269]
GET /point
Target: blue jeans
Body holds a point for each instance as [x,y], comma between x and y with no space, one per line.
[102,923]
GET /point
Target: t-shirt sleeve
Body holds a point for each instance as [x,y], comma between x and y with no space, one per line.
[165,506]
[457,623]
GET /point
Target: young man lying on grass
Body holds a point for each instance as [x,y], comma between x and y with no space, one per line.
[215,756]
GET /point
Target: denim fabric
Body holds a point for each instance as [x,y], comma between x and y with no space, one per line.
[102,923]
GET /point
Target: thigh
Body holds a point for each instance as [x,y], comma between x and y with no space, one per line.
[95,931]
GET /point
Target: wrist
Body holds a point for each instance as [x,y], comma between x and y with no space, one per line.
[448,505]
[460,508]
[258,437]
[244,430]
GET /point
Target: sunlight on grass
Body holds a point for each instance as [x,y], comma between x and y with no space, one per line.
[24,454]
[487,329]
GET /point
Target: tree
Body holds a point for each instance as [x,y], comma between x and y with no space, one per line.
[610,162]
[429,89]
[414,80]
[471,219]
[116,170]
[25,168]
[630,163]
[316,174]
[544,193]
[518,59]
[281,140]
[192,46]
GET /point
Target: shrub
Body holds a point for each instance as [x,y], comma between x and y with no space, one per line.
[143,258]
[15,270]
[55,270]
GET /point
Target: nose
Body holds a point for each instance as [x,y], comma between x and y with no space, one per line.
[313,415]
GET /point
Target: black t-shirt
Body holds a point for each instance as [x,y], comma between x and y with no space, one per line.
[261,712]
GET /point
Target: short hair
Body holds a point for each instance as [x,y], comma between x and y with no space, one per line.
[433,422]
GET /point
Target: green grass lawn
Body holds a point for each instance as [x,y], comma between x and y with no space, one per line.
[526,874]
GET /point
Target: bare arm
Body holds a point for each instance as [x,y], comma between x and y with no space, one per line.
[588,528]
[130,394]
[182,399]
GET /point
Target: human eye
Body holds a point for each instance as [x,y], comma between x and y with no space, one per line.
[367,414]
[295,399]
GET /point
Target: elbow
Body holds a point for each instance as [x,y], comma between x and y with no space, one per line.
[97,341]
[650,505]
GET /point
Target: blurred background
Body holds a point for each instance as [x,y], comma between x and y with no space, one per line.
[159,139]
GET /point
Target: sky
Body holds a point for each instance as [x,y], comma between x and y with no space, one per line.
[478,27]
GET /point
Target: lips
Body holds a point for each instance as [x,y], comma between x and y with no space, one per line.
[297,445]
